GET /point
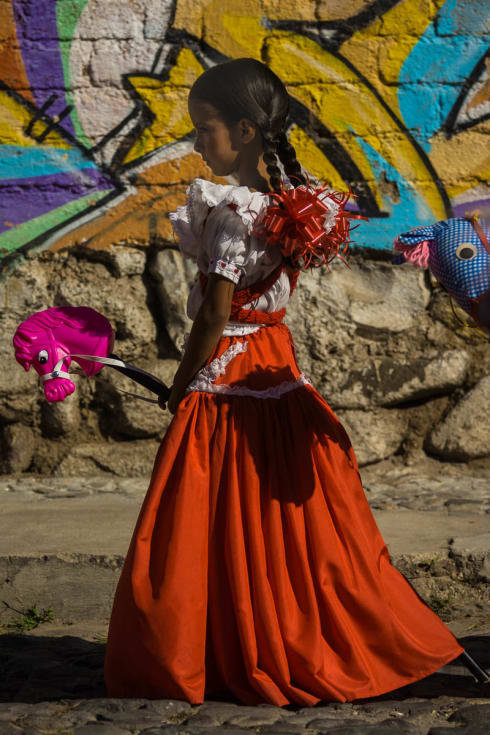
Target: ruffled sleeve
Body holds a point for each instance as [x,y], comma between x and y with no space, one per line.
[214,227]
[227,243]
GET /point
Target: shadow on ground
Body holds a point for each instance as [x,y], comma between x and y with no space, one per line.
[37,668]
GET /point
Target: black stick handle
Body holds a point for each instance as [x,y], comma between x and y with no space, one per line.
[478,672]
[149,381]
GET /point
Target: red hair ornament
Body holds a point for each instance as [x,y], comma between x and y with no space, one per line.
[297,224]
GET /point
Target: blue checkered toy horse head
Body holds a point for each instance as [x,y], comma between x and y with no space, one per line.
[457,252]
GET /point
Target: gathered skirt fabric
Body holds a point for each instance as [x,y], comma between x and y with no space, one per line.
[256,569]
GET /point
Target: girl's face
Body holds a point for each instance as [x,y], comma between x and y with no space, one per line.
[218,144]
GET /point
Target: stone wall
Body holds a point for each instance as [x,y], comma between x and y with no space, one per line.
[389,98]
[380,343]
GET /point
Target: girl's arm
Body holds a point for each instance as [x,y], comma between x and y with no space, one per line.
[208,326]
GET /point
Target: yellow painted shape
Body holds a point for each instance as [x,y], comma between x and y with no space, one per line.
[313,9]
[235,29]
[340,9]
[346,106]
[189,16]
[14,119]
[245,35]
[168,103]
[462,161]
[393,34]
[314,160]
[290,9]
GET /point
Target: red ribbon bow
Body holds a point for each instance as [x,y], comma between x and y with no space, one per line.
[296,224]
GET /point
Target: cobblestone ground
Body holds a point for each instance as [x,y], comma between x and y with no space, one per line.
[51,678]
[52,684]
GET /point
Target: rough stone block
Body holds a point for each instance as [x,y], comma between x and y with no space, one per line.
[374,434]
[157,14]
[174,274]
[120,458]
[57,581]
[62,417]
[110,19]
[388,382]
[465,432]
[110,59]
[100,108]
[476,715]
[127,261]
[121,300]
[23,293]
[129,416]
[382,297]
[17,447]
[476,549]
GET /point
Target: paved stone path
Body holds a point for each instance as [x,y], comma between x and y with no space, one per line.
[389,485]
[51,678]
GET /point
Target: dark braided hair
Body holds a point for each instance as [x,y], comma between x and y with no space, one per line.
[246,88]
[270,159]
[287,155]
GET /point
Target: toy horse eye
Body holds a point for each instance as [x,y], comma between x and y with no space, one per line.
[42,357]
[466,251]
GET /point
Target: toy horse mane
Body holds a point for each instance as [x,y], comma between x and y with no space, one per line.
[417,255]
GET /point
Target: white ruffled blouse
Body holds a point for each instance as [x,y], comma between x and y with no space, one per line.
[219,240]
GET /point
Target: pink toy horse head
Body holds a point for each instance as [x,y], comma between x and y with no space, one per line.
[48,339]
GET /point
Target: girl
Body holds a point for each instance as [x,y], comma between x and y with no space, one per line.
[256,570]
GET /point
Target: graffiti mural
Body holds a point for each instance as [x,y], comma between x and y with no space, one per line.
[389,97]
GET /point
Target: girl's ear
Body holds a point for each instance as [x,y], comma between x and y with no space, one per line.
[248,130]
[414,246]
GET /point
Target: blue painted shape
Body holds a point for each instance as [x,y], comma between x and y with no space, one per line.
[443,61]
[422,126]
[409,211]
[20,162]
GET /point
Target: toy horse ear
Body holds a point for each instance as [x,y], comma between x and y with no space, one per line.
[414,247]
[26,364]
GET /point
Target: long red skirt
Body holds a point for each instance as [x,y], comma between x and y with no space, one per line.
[256,569]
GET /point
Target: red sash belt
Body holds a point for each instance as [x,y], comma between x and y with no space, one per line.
[246,295]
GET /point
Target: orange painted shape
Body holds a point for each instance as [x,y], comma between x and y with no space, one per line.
[143,215]
[12,71]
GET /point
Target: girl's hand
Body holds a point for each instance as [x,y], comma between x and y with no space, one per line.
[162,402]
[172,402]
[174,399]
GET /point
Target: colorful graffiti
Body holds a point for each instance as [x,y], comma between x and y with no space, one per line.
[389,97]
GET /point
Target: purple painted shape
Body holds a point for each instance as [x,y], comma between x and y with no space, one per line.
[25,199]
[481,206]
[37,34]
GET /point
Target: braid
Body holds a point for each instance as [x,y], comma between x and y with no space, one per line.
[287,155]
[270,159]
